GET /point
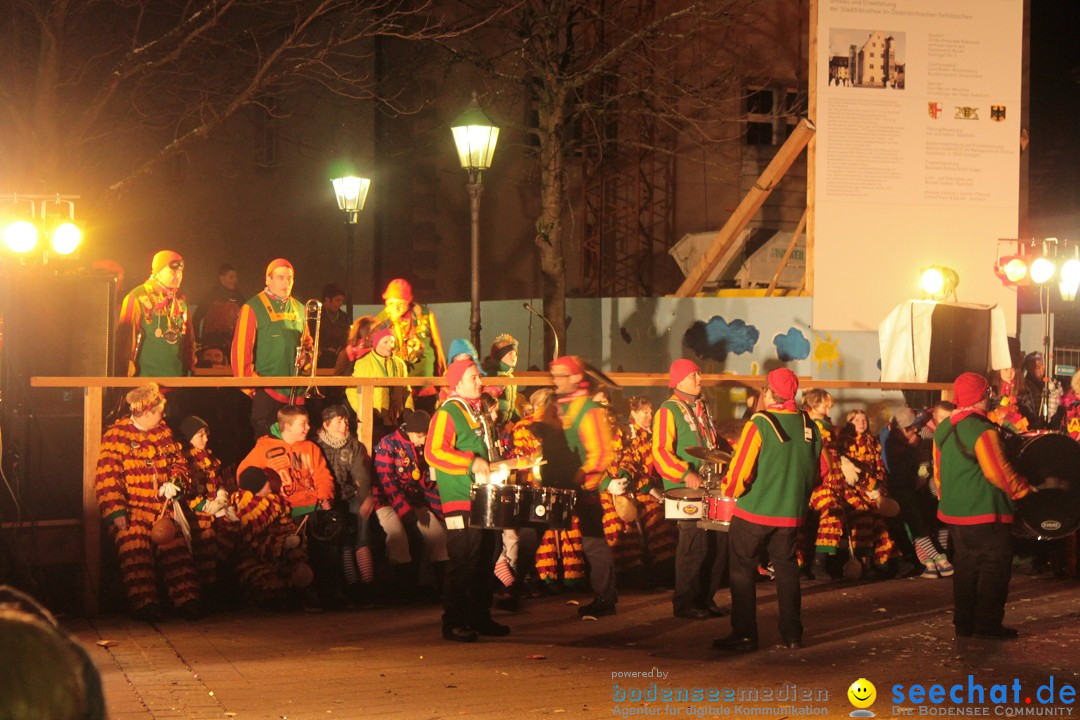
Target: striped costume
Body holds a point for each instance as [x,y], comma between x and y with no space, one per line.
[155,337]
[623,537]
[268,332]
[217,536]
[270,558]
[559,551]
[827,499]
[131,467]
[635,459]
[869,533]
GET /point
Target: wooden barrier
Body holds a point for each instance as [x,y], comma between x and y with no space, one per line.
[93,390]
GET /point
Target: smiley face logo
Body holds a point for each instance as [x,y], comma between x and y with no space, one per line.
[862,694]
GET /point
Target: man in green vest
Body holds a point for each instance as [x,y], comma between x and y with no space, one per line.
[684,421]
[976,486]
[588,433]
[777,461]
[155,336]
[268,331]
[458,453]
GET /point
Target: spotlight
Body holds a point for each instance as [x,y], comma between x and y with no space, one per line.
[66,238]
[1042,270]
[1070,279]
[21,237]
[1011,270]
[939,282]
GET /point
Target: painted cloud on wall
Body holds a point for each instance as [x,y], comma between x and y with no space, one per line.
[716,338]
[791,345]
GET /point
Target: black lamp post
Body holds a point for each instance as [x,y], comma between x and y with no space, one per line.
[351,194]
[475,136]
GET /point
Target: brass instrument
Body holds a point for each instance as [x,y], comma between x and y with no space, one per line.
[307,352]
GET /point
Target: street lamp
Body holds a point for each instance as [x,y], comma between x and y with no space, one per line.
[351,193]
[475,136]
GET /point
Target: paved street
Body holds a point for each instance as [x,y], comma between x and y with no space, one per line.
[393,663]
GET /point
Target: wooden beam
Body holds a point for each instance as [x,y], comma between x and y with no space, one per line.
[751,203]
[787,254]
[92,400]
[367,412]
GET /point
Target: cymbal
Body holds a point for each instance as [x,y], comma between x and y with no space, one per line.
[713,456]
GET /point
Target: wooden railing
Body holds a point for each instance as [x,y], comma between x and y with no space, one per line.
[93,391]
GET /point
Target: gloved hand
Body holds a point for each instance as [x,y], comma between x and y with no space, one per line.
[657,495]
[168,490]
[851,472]
[617,486]
[216,507]
[292,541]
[873,494]
[230,514]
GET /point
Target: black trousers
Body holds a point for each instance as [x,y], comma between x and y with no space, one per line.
[590,515]
[746,541]
[467,586]
[700,561]
[983,561]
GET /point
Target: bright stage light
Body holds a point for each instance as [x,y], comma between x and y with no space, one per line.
[21,237]
[938,282]
[1011,269]
[1070,279]
[932,281]
[66,238]
[1042,270]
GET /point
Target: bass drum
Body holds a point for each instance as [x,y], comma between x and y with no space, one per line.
[1051,462]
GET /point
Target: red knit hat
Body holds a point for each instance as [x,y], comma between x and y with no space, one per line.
[969,389]
[162,259]
[379,333]
[570,363]
[679,370]
[784,383]
[398,289]
[456,371]
[278,263]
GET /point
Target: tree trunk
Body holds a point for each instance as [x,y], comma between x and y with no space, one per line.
[549,224]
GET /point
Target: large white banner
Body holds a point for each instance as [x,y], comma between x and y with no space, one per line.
[918,152]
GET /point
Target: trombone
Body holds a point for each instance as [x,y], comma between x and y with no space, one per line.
[307,352]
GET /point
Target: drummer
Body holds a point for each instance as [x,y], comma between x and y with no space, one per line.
[977,486]
[457,450]
[684,421]
[588,435]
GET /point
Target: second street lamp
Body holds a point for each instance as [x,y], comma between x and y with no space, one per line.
[475,136]
[351,193]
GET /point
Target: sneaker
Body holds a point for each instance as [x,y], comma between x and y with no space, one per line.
[460,634]
[944,567]
[596,609]
[931,572]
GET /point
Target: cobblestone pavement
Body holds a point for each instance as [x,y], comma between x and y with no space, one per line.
[392,662]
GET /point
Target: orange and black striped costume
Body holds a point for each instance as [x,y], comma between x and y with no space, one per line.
[266,563]
[558,549]
[217,536]
[634,446]
[132,465]
[827,499]
[869,534]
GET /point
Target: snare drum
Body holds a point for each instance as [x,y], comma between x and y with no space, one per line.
[495,506]
[684,504]
[718,511]
[560,508]
[533,505]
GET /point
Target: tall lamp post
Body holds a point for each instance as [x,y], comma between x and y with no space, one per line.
[475,136]
[351,192]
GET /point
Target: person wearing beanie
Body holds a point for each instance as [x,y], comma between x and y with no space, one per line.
[216,523]
[408,508]
[417,336]
[154,333]
[268,331]
[778,459]
[387,403]
[500,362]
[140,467]
[976,487]
[684,421]
[588,434]
[457,451]
[347,460]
